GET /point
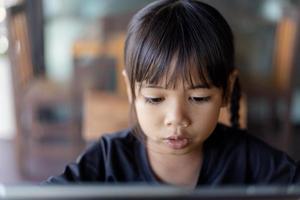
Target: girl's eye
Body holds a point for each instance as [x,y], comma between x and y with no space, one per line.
[153,100]
[200,99]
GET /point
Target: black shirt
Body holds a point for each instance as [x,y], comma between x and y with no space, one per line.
[231,157]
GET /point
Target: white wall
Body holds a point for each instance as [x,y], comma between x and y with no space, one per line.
[7,120]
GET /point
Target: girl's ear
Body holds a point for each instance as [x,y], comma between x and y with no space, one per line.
[230,86]
[128,88]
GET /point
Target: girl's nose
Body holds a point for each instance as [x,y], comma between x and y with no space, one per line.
[177,116]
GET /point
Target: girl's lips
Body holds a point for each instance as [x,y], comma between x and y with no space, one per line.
[177,142]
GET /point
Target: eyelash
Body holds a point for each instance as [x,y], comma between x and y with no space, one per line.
[158,100]
[153,100]
[200,99]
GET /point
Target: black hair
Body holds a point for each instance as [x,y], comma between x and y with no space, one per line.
[190,32]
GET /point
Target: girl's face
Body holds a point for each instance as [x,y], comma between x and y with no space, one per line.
[177,120]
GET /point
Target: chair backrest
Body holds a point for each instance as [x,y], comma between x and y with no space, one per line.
[284,59]
[20,55]
[20,51]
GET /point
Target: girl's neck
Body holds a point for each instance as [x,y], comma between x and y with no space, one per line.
[180,170]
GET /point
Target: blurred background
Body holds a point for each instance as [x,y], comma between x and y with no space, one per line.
[61,84]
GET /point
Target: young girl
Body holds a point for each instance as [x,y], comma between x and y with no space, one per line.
[180,72]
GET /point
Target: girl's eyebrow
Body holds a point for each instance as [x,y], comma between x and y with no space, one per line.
[154,86]
[199,86]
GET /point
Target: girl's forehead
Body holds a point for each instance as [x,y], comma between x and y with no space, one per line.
[179,82]
[181,75]
[186,72]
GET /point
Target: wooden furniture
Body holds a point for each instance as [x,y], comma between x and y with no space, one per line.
[103,113]
[278,88]
[285,61]
[42,107]
[20,55]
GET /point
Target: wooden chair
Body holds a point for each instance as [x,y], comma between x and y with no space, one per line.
[35,97]
[285,61]
[279,87]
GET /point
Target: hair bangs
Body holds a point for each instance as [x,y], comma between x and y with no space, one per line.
[172,52]
[179,42]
